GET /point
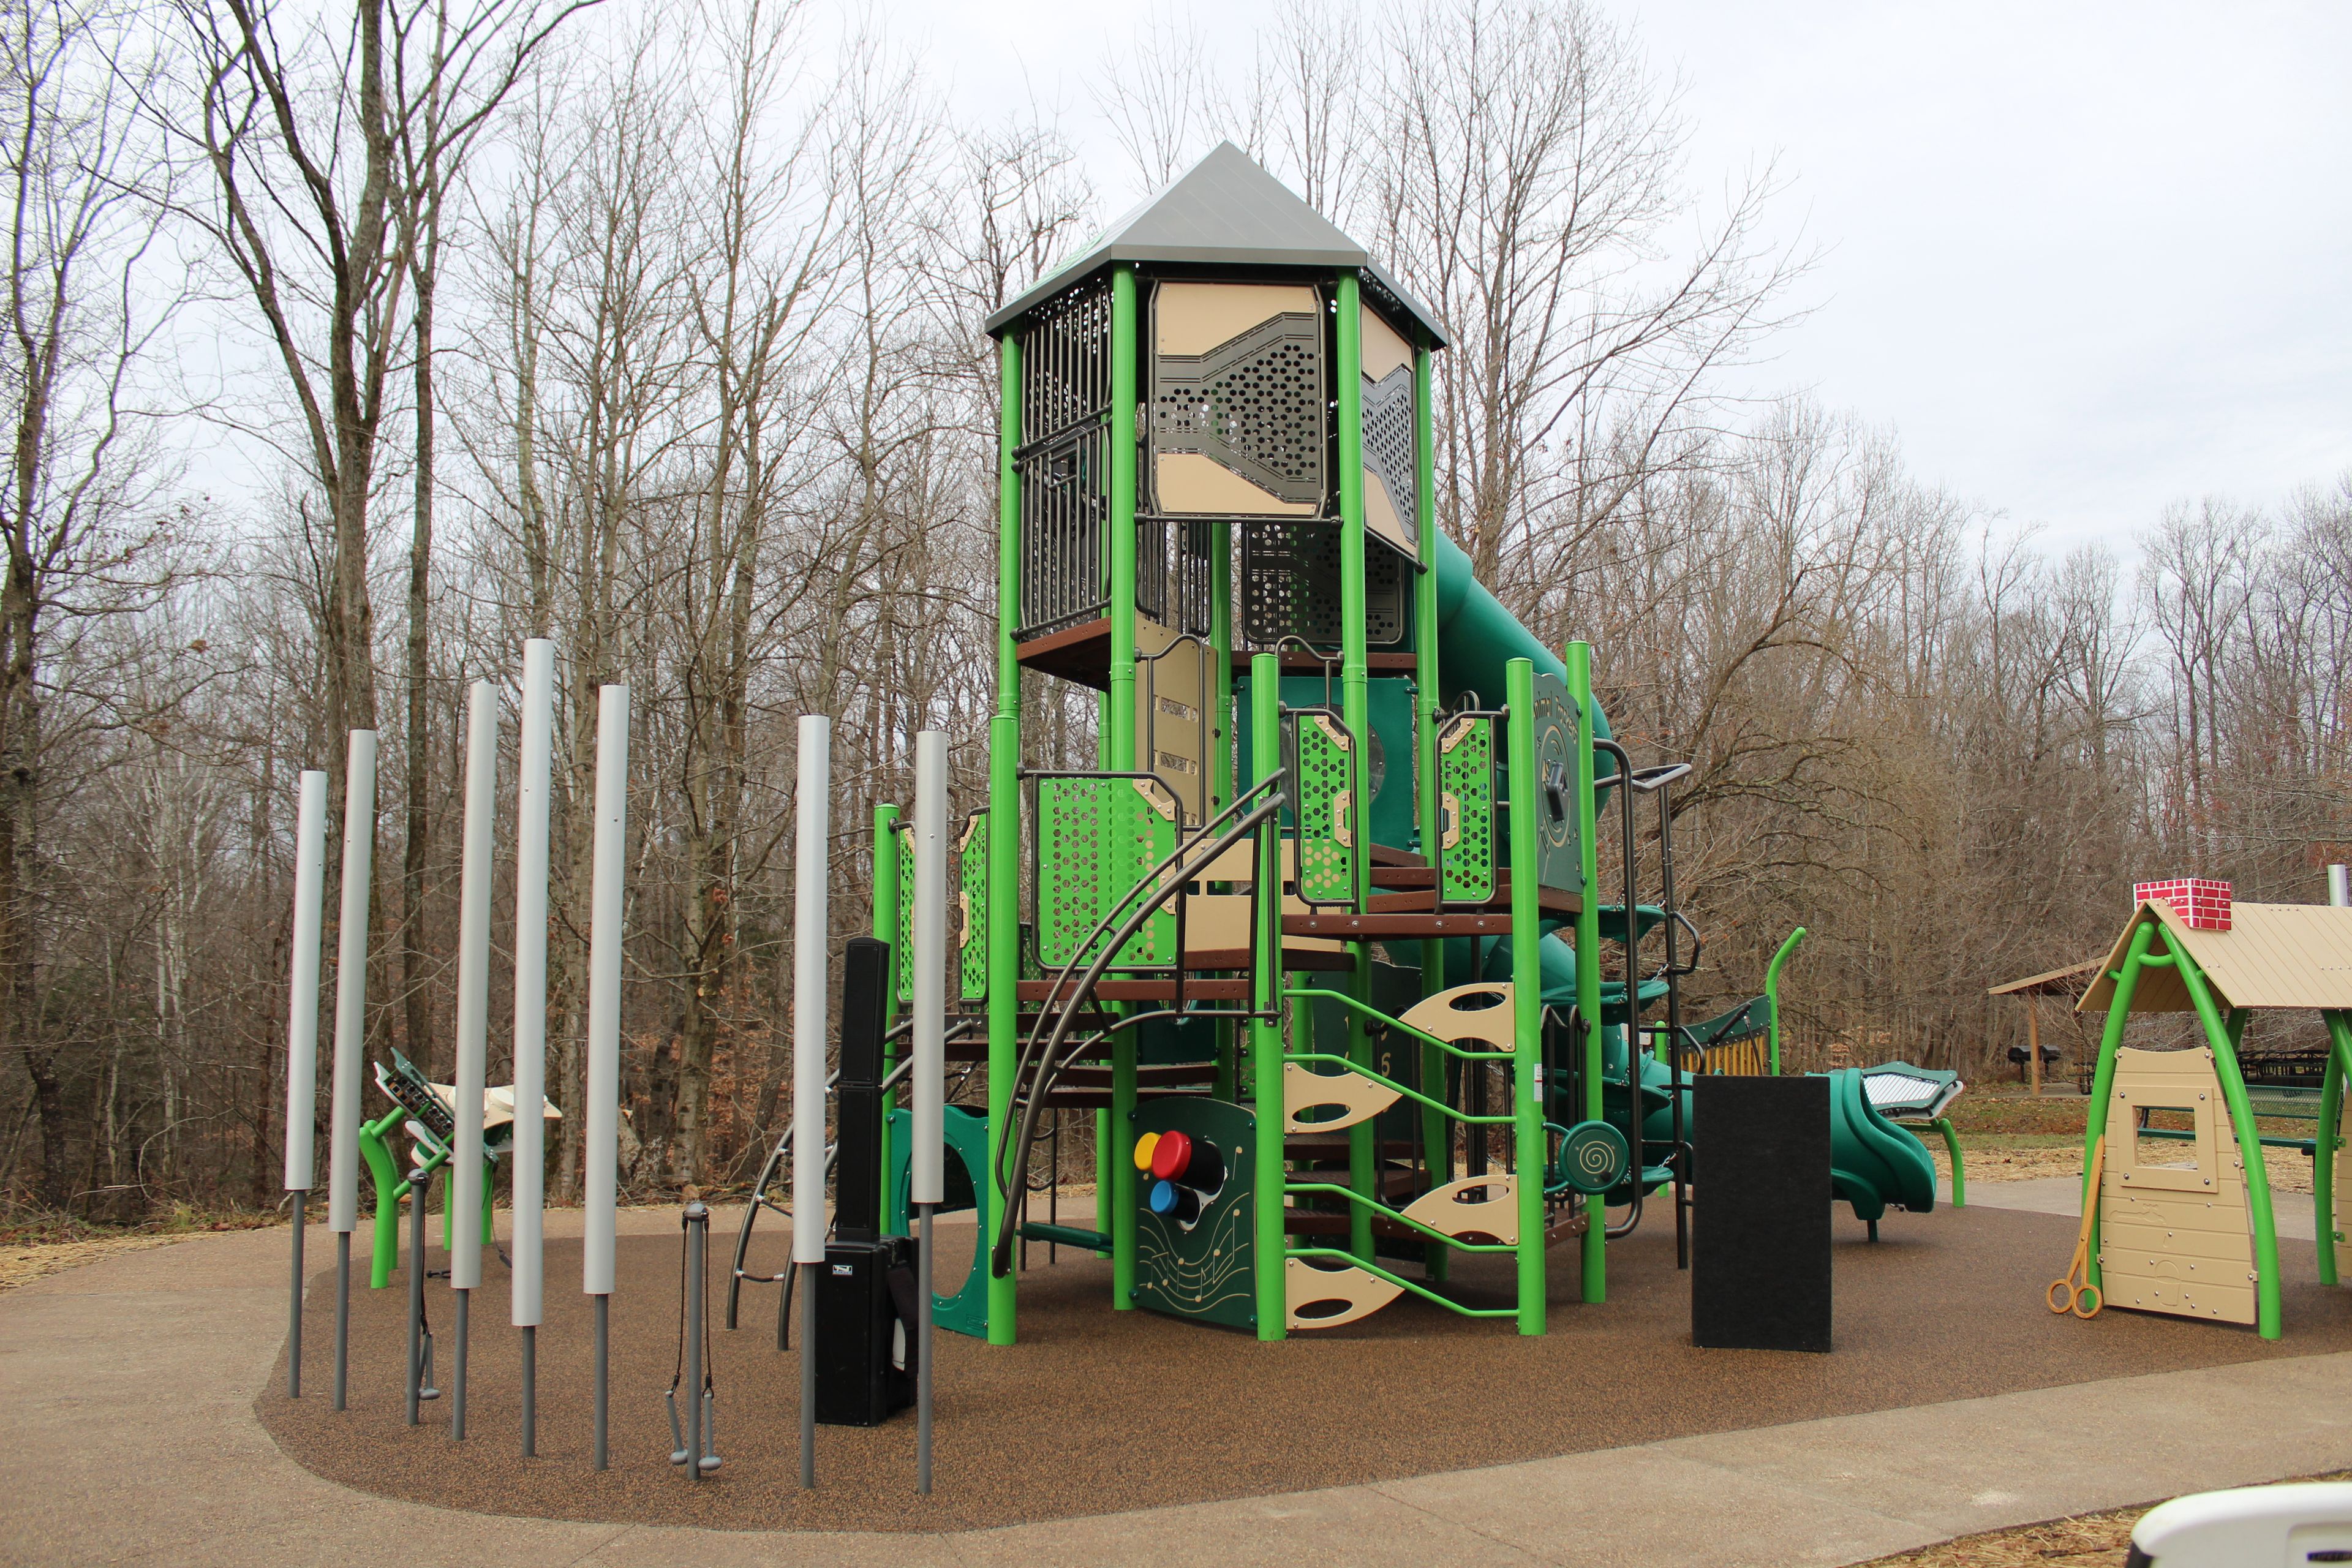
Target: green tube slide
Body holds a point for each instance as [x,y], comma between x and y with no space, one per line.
[1476,638]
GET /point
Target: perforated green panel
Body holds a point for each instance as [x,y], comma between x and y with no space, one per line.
[1096,839]
[971,901]
[1071,832]
[902,958]
[1326,783]
[1466,771]
[1147,813]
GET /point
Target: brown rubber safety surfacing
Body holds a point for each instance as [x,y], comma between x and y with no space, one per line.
[1099,1412]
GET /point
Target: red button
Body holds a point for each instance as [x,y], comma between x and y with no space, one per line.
[1173,1157]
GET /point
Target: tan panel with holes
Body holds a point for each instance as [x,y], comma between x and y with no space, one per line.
[1358,1098]
[1483,1011]
[2174,1233]
[1355,1293]
[1450,1208]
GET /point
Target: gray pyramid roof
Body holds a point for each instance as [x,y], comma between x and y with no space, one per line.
[1226,211]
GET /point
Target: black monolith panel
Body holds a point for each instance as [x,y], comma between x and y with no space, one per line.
[1760,1214]
[864,1018]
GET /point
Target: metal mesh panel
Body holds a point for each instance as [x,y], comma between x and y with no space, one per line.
[1256,404]
[1173,588]
[971,901]
[1290,585]
[1466,771]
[1064,499]
[1388,441]
[1323,776]
[1066,361]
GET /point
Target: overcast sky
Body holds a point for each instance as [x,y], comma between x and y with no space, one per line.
[2083,260]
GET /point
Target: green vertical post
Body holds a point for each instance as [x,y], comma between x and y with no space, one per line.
[1266,1028]
[1118,747]
[1356,709]
[1526,994]
[2329,1138]
[1772,993]
[2103,1077]
[2223,1037]
[886,928]
[1004,830]
[1436,1128]
[1578,655]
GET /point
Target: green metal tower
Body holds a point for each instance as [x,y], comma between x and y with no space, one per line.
[1333,773]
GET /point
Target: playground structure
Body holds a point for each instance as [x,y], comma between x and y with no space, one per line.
[2199,1238]
[1330,980]
[1319,941]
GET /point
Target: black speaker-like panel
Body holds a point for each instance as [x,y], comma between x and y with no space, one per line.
[1760,1214]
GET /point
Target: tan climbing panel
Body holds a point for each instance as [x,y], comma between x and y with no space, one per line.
[1171,700]
[1452,1209]
[1194,318]
[1358,1098]
[1351,1291]
[2174,1234]
[1481,1012]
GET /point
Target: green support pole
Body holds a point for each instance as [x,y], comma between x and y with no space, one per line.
[1577,657]
[1436,1128]
[1356,709]
[1119,749]
[1527,993]
[1265,1029]
[2323,1144]
[886,928]
[1003,831]
[1772,996]
[2103,1078]
[2223,1037]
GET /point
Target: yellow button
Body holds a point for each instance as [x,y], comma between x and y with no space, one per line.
[1143,1148]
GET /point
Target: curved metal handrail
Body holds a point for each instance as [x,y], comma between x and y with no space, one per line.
[1001,1258]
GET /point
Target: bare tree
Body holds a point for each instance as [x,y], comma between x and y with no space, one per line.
[74,515]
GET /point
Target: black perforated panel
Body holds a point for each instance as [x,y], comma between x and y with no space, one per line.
[1290,585]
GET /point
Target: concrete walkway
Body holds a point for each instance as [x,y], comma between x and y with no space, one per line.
[2292,1212]
[130,1383]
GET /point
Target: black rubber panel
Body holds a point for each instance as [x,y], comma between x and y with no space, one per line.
[1760,1214]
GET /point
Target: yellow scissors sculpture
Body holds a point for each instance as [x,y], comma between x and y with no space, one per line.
[2065,1296]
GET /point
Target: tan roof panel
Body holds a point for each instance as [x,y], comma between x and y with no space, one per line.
[2272,956]
[2044,985]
